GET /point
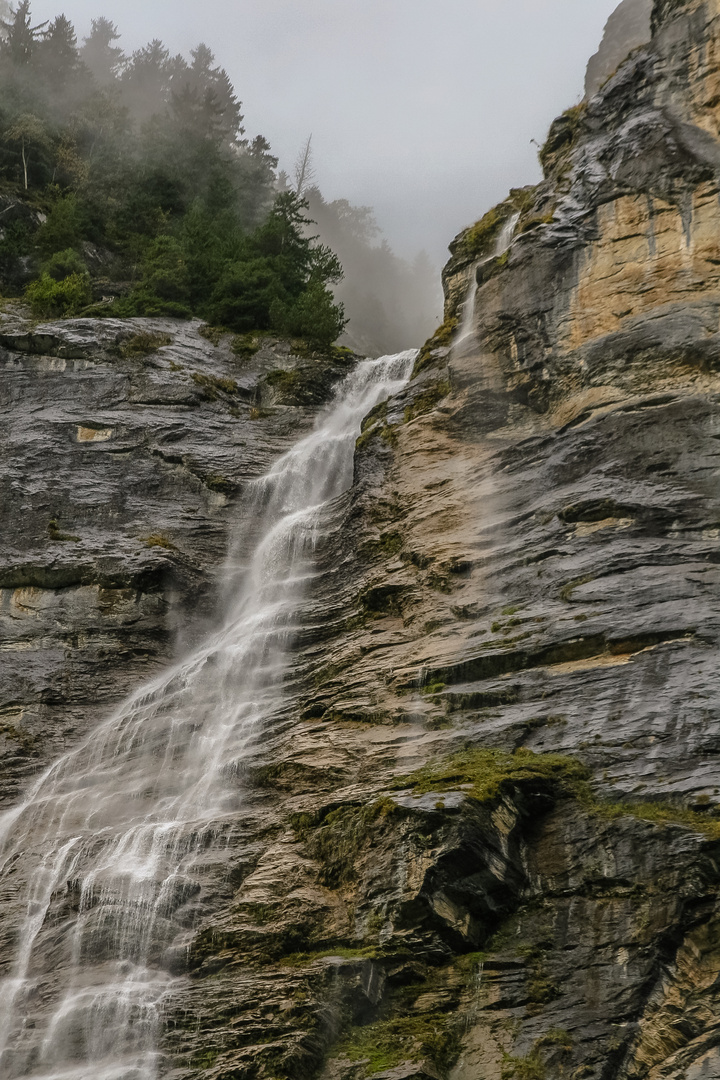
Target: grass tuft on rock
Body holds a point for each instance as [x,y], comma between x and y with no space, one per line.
[158,540]
[56,533]
[214,387]
[485,774]
[143,344]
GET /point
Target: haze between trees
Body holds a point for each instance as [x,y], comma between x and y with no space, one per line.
[130,188]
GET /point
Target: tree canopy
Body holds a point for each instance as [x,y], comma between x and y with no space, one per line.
[135,175]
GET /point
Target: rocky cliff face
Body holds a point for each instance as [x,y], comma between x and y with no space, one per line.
[627,28]
[124,447]
[485,842]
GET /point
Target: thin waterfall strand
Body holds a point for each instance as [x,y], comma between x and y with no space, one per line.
[466,330]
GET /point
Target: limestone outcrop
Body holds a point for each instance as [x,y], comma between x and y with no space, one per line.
[482,843]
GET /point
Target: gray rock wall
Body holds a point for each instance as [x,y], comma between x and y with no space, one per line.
[627,28]
[125,446]
[483,839]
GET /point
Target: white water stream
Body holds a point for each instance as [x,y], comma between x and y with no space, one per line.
[98,864]
[466,331]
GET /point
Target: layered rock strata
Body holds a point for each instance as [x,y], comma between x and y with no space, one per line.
[124,449]
[484,841]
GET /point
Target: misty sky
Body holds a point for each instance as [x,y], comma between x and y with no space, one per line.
[421,108]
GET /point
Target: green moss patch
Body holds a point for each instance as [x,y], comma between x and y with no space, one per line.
[143,344]
[246,345]
[427,400]
[566,593]
[375,424]
[303,959]
[213,387]
[531,1067]
[213,334]
[442,338]
[485,774]
[55,533]
[158,540]
[387,1043]
[338,838]
[388,544]
[219,483]
[561,141]
[480,237]
[25,743]
[662,814]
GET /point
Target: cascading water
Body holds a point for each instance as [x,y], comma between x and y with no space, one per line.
[466,330]
[99,861]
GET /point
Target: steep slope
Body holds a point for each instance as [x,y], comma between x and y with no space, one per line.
[125,446]
[626,29]
[528,565]
[484,842]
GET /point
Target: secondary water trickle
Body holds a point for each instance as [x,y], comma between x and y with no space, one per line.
[99,863]
[466,331]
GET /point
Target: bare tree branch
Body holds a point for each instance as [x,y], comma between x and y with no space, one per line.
[304,171]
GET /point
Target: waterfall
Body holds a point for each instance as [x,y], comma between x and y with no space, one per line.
[502,244]
[99,865]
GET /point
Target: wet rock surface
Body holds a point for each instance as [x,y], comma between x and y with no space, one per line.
[123,448]
[482,843]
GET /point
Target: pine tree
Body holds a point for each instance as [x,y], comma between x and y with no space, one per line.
[102,58]
[147,79]
[56,57]
[20,37]
[205,98]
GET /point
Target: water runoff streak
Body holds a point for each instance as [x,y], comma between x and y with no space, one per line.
[466,331]
[98,864]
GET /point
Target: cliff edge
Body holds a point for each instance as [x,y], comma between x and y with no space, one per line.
[484,842]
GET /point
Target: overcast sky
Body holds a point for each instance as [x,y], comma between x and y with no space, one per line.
[421,108]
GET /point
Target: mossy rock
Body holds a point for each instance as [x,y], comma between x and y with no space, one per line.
[427,400]
[336,838]
[313,382]
[561,141]
[429,355]
[485,775]
[375,424]
[142,344]
[479,239]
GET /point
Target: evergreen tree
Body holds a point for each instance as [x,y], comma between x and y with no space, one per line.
[213,86]
[101,56]
[142,165]
[146,80]
[20,37]
[55,57]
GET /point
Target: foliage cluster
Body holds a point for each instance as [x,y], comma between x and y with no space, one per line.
[136,169]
